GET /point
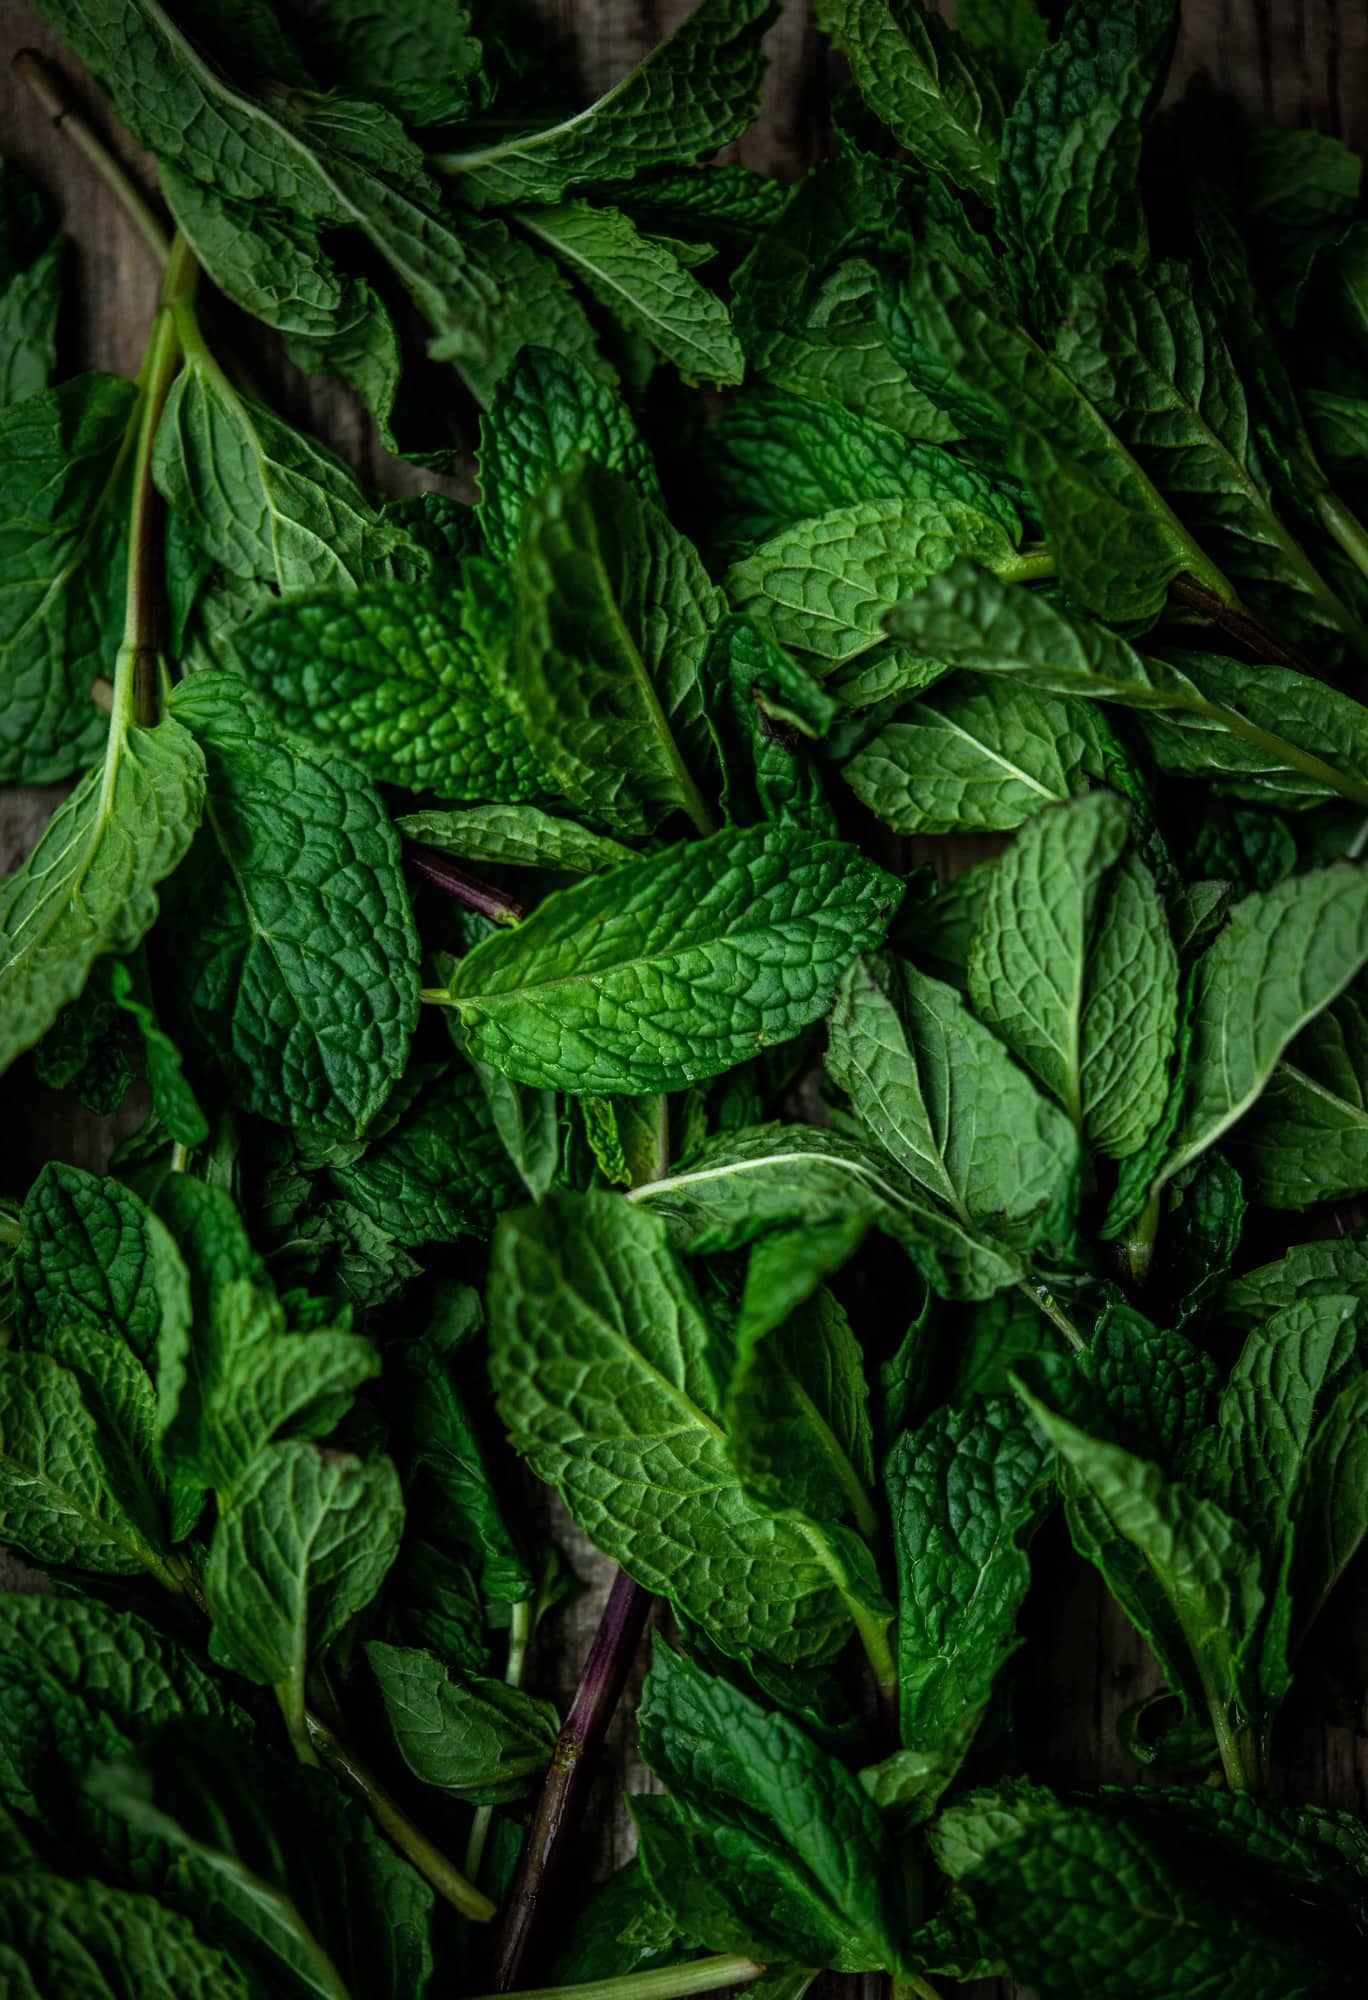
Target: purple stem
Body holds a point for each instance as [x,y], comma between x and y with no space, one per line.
[567,1778]
[468,889]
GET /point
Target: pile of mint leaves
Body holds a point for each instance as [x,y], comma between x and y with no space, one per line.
[529,947]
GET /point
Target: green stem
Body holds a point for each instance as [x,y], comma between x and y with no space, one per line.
[913,1983]
[296,1726]
[1041,1296]
[395,1823]
[1343,527]
[47,86]
[1285,752]
[1243,1748]
[519,1633]
[136,669]
[1138,1247]
[662,1982]
[879,1653]
[1033,565]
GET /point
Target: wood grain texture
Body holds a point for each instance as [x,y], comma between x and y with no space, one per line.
[1298,62]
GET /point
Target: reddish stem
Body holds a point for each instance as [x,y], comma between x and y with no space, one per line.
[476,895]
[567,1778]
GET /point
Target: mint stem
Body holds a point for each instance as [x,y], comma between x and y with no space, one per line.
[562,1796]
[42,80]
[519,1633]
[468,890]
[137,670]
[396,1825]
[1243,625]
[662,1982]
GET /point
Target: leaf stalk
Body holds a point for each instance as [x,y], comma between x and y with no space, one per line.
[562,1796]
[661,1982]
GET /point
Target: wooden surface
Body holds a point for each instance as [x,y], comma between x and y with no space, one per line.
[1298,62]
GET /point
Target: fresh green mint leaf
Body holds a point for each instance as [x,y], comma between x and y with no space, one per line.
[89,887]
[979,759]
[692,94]
[923,83]
[236,1374]
[1148,353]
[391,676]
[742,1185]
[603,1362]
[547,410]
[611,623]
[674,937]
[516,836]
[945,1099]
[1116,543]
[806,300]
[1282,958]
[267,502]
[750,1786]
[776,458]
[295,892]
[966,1491]
[425,65]
[823,586]
[642,281]
[108,1944]
[1068,194]
[32,256]
[475,1738]
[302,1544]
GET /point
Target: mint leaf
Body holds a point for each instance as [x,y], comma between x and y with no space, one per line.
[94,1257]
[695,91]
[602,1360]
[1276,733]
[969,760]
[924,84]
[235,1373]
[761,1799]
[807,299]
[63,498]
[89,886]
[65,1496]
[1307,1140]
[517,836]
[612,614]
[965,1490]
[1202,1559]
[775,458]
[823,586]
[296,886]
[301,1545]
[1053,967]
[741,1185]
[907,1049]
[266,501]
[797,1414]
[1068,195]
[391,676]
[1149,355]
[475,1738]
[546,411]
[1282,958]
[1081,1898]
[82,1937]
[1116,543]
[439,1172]
[669,934]
[644,284]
